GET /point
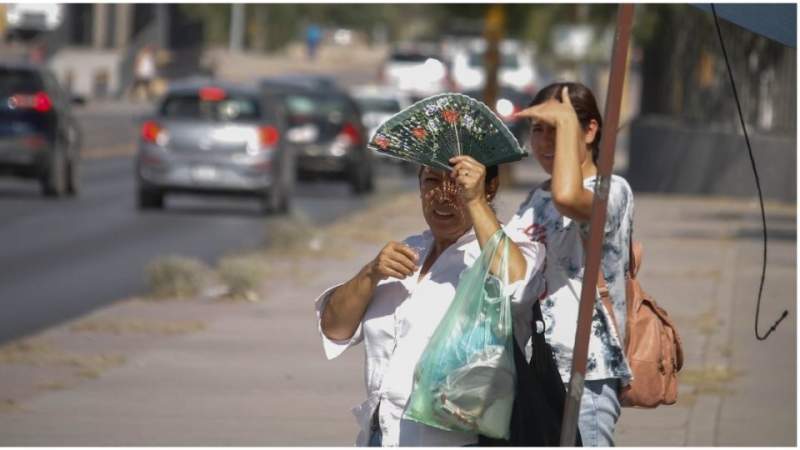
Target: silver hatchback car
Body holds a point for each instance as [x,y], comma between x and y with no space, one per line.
[215,139]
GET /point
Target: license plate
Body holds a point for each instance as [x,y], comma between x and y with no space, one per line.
[204,173]
[313,150]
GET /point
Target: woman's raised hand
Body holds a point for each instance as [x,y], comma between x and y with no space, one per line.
[552,112]
[470,175]
[396,260]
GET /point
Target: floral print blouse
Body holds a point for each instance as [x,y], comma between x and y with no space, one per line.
[558,284]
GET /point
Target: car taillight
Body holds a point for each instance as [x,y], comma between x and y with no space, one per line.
[42,102]
[269,136]
[212,94]
[39,102]
[351,133]
[150,131]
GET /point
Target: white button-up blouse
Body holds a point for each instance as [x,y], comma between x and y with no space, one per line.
[398,324]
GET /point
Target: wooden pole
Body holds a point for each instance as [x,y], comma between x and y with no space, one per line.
[494,30]
[616,79]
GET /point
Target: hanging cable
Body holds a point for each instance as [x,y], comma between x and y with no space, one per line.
[758,187]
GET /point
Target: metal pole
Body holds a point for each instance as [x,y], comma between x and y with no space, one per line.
[162,19]
[237,27]
[569,424]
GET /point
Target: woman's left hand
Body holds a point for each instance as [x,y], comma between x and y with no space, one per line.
[470,176]
[552,112]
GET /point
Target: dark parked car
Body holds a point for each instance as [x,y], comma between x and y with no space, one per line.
[326,131]
[509,101]
[39,137]
[215,139]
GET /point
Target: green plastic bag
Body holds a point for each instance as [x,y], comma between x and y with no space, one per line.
[465,378]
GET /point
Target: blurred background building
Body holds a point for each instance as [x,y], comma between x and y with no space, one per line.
[679,119]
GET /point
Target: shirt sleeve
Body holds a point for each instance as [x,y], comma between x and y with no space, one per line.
[619,205]
[533,252]
[334,347]
[524,292]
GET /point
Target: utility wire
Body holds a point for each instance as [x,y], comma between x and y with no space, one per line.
[758,187]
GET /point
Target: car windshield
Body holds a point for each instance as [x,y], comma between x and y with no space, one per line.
[229,109]
[508,60]
[19,81]
[412,57]
[382,105]
[302,106]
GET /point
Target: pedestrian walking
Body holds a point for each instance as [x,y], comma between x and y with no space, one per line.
[566,128]
[397,300]
[313,38]
[144,72]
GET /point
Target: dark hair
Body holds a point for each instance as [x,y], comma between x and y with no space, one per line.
[585,107]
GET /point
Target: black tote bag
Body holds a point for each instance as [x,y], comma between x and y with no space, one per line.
[539,397]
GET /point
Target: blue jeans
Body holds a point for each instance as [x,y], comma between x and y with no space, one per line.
[375,438]
[599,412]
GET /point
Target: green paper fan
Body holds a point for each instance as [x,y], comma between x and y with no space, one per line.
[435,129]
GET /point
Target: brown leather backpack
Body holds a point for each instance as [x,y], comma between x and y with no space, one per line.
[652,344]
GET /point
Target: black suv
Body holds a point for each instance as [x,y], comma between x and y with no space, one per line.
[39,137]
[324,129]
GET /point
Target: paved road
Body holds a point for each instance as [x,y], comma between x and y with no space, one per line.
[255,373]
[61,259]
[64,258]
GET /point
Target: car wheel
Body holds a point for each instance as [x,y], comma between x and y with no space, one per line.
[73,178]
[150,199]
[360,179]
[54,180]
[370,180]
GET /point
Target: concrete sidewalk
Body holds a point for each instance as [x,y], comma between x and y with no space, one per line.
[210,372]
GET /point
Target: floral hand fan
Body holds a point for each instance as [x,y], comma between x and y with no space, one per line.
[437,128]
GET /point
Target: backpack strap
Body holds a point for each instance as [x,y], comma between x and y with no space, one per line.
[605,297]
[602,289]
[602,286]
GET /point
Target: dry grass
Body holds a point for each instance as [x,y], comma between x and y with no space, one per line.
[8,405]
[173,277]
[39,353]
[138,326]
[291,239]
[243,275]
[292,235]
[726,350]
[707,323]
[709,380]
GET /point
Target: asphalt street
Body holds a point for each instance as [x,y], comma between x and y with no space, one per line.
[63,258]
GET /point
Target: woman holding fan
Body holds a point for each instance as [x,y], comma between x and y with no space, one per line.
[395,302]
